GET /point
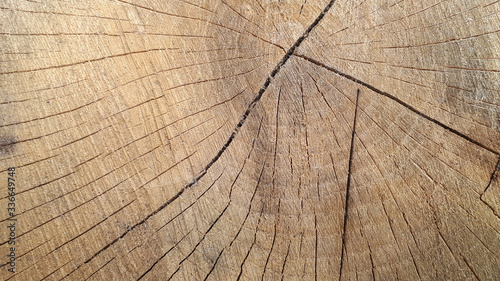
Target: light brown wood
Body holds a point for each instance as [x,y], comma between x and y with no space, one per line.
[251,139]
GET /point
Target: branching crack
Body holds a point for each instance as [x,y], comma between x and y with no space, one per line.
[385,94]
[242,120]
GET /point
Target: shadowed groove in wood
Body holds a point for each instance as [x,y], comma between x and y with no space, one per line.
[494,176]
[493,180]
[233,134]
[411,108]
[398,144]
[347,191]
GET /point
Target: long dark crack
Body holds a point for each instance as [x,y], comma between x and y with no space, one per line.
[236,130]
[385,94]
[348,187]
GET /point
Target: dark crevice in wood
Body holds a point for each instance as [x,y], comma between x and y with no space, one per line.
[284,262]
[270,252]
[236,130]
[493,177]
[201,195]
[415,263]
[349,170]
[315,247]
[276,136]
[305,127]
[213,266]
[470,268]
[385,94]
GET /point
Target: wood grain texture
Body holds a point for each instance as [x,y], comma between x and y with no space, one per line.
[251,139]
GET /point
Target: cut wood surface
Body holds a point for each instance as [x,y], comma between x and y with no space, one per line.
[251,139]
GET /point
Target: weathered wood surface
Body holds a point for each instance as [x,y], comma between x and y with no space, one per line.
[252,139]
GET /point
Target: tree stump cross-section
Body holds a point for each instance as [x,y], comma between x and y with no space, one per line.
[250,140]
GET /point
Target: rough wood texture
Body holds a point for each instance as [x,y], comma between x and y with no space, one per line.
[251,139]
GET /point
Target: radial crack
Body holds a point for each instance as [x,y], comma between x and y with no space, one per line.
[385,94]
[349,169]
[237,128]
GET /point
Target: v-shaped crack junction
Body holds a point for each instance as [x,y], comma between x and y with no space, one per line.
[243,118]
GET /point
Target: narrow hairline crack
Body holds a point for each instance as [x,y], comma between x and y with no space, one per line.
[236,130]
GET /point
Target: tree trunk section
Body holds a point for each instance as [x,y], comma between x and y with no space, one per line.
[250,140]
